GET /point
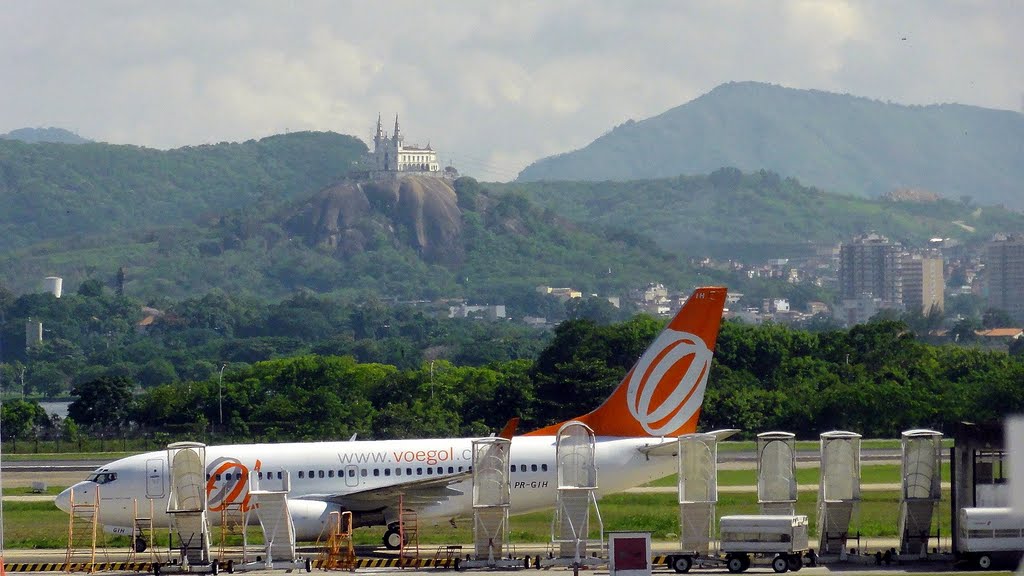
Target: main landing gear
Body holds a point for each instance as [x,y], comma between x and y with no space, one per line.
[392,537]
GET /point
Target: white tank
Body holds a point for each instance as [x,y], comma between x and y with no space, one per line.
[53,285]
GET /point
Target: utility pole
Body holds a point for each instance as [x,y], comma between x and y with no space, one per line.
[220,395]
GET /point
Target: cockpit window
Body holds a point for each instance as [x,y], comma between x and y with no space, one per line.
[103,477]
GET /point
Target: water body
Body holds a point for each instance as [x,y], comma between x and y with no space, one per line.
[58,408]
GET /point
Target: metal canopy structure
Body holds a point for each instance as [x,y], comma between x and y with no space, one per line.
[491,501]
[697,467]
[187,505]
[921,489]
[575,449]
[838,490]
[776,473]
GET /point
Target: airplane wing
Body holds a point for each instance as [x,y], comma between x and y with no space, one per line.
[668,447]
[415,493]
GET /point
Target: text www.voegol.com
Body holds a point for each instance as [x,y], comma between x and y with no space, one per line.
[428,457]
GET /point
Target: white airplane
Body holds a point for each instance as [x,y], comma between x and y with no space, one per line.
[660,398]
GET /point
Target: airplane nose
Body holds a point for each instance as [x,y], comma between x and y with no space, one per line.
[82,492]
[63,500]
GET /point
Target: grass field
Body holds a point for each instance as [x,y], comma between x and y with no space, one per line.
[869,474]
[41,525]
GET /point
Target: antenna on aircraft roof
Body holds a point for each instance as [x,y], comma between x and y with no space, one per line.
[353,438]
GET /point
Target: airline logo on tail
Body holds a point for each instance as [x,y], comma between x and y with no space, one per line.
[663,393]
[677,374]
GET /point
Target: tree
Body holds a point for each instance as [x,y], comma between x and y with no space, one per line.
[21,418]
[996,318]
[102,403]
[91,288]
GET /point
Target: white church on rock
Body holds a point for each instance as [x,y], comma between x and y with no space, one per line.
[390,154]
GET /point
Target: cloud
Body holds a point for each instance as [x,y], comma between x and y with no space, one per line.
[496,84]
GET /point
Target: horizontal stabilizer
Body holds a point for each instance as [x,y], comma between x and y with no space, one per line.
[670,445]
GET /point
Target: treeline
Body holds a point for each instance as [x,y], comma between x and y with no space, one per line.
[94,333]
[877,379]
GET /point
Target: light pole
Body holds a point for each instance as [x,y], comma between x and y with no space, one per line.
[220,395]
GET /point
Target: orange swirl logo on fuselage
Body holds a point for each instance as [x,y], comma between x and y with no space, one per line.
[666,387]
[220,491]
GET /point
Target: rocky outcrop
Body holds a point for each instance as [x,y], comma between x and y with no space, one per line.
[419,211]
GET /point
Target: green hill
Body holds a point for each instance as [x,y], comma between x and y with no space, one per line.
[55,135]
[53,191]
[413,238]
[839,142]
[758,215]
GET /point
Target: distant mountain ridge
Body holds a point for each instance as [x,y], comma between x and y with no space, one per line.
[845,144]
[754,216]
[52,135]
[50,191]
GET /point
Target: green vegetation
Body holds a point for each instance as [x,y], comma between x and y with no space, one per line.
[757,215]
[383,373]
[60,191]
[869,474]
[40,525]
[498,250]
[835,141]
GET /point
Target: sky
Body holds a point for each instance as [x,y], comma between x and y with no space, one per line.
[492,86]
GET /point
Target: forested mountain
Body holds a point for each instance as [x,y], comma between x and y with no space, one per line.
[56,135]
[413,238]
[758,215]
[839,142]
[59,191]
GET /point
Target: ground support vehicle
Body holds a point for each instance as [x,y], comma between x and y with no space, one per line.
[781,537]
[990,536]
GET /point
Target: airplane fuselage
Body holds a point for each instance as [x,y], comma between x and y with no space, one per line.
[330,476]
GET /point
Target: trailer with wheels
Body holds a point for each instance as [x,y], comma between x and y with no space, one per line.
[783,536]
[991,536]
[742,537]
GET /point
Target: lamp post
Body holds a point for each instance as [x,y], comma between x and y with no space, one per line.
[220,395]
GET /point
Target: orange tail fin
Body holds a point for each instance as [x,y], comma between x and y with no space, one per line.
[662,394]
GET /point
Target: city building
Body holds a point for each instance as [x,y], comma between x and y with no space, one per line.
[923,282]
[1004,274]
[870,265]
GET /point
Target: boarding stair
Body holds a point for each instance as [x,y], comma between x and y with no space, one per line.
[409,532]
[83,521]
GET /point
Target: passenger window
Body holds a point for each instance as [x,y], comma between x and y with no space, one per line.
[430,471]
[311,474]
[450,469]
[544,467]
[522,467]
[259,475]
[363,472]
[320,474]
[419,471]
[341,473]
[387,471]
[300,474]
[280,475]
[330,473]
[440,470]
[217,477]
[398,471]
[351,473]
[376,471]
[227,477]
[460,468]
[533,467]
[207,476]
[408,471]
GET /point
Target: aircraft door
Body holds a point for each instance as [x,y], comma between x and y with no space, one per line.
[351,476]
[154,478]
